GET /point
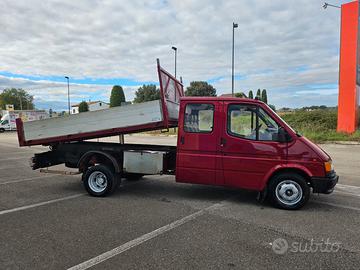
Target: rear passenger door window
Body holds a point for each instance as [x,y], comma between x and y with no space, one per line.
[199,118]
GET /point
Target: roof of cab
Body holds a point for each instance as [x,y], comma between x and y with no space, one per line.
[233,99]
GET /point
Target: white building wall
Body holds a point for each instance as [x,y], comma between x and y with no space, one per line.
[74,110]
[100,105]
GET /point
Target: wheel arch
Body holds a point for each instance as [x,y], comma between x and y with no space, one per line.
[304,172]
[102,157]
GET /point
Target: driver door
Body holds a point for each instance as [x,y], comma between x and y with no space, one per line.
[249,145]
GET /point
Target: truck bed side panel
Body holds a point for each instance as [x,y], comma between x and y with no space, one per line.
[152,115]
[118,117]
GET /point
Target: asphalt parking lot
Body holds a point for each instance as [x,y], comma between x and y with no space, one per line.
[49,222]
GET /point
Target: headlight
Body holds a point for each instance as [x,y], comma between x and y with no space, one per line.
[328,166]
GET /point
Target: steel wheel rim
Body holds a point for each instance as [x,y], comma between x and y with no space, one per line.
[289,192]
[97,181]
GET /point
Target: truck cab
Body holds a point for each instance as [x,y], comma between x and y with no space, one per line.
[243,143]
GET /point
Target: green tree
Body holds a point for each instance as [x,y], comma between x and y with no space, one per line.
[272,107]
[117,96]
[258,94]
[264,96]
[251,95]
[240,95]
[200,89]
[147,93]
[83,107]
[17,97]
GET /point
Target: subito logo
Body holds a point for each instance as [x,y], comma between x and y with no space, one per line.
[280,246]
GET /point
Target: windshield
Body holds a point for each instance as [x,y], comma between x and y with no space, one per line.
[293,130]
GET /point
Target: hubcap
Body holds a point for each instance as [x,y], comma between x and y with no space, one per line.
[97,182]
[288,192]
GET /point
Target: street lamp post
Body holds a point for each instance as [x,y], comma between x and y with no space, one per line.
[329,5]
[175,50]
[235,25]
[66,77]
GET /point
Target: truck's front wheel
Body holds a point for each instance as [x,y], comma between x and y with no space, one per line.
[2,130]
[99,181]
[289,191]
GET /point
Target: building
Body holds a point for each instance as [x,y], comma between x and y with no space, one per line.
[93,106]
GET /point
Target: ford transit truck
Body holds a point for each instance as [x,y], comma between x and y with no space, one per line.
[232,142]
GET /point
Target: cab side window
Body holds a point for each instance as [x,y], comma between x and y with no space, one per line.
[251,122]
[241,121]
[268,129]
[199,118]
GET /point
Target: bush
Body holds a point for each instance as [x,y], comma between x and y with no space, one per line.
[318,125]
[313,120]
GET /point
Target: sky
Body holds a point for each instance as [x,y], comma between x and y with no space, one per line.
[290,48]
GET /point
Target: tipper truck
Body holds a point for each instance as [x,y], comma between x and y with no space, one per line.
[232,142]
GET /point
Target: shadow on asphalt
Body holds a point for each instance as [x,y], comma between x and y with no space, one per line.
[169,190]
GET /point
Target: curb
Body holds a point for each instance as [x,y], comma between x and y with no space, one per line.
[341,142]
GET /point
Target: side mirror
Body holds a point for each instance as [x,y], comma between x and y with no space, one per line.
[283,136]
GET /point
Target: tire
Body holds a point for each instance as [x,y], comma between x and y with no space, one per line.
[289,191]
[133,176]
[100,181]
[2,130]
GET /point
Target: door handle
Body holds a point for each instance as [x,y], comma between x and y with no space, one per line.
[222,142]
[182,139]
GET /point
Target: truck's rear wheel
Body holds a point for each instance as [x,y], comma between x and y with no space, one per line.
[2,130]
[289,191]
[99,181]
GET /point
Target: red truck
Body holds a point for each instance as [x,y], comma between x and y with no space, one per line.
[232,142]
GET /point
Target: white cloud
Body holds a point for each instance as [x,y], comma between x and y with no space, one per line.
[122,39]
[46,93]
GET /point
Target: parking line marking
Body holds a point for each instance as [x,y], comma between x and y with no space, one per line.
[347,187]
[346,193]
[24,180]
[339,205]
[40,204]
[14,158]
[16,153]
[142,239]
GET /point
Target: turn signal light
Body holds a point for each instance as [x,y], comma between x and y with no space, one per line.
[328,166]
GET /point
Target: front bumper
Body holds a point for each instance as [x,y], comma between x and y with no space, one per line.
[324,184]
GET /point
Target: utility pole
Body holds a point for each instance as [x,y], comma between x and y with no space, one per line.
[66,77]
[175,50]
[235,25]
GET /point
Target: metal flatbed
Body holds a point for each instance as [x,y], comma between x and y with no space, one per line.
[152,115]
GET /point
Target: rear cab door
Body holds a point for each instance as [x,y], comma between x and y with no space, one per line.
[198,157]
